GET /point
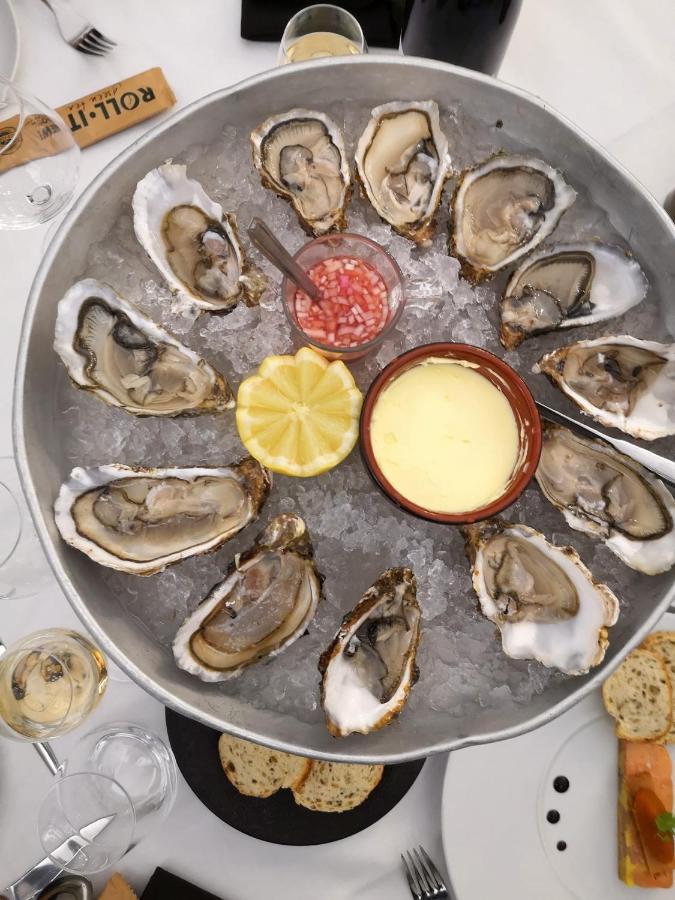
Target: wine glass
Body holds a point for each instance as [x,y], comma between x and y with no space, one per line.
[118,769]
[50,681]
[318,31]
[39,159]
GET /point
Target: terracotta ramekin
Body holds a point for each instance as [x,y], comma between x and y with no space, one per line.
[516,392]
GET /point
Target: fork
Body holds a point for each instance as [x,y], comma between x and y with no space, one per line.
[77,31]
[424,879]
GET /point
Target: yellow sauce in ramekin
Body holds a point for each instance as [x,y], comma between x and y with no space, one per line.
[444,436]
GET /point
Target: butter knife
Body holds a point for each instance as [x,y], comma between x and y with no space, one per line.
[659,465]
[33,882]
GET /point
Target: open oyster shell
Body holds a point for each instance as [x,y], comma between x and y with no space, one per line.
[300,154]
[609,496]
[542,598]
[193,243]
[402,163]
[114,351]
[502,209]
[621,382]
[141,520]
[264,603]
[568,285]
[369,668]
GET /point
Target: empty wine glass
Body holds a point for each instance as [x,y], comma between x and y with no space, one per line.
[135,758]
[89,810]
[39,159]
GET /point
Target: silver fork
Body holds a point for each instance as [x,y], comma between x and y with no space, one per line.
[77,31]
[424,879]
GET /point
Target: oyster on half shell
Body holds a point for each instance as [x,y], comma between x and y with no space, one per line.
[610,496]
[542,598]
[402,162]
[141,520]
[568,285]
[264,603]
[193,243]
[502,209]
[369,668]
[621,382]
[300,154]
[114,351]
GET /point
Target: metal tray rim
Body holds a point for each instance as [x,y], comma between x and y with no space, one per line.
[150,684]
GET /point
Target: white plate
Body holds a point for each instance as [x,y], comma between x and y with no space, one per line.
[497,840]
[9,40]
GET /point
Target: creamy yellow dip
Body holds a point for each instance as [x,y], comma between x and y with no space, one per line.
[444,436]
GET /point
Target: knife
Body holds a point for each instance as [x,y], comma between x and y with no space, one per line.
[659,465]
[40,876]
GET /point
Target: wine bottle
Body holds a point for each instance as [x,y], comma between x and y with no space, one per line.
[470,33]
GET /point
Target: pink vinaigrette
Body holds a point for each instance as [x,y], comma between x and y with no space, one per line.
[353,307]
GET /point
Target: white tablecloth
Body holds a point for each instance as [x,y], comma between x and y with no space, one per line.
[607,64]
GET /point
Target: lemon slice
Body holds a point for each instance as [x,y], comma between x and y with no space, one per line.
[298,415]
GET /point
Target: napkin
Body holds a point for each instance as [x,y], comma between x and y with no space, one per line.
[380,19]
[165,886]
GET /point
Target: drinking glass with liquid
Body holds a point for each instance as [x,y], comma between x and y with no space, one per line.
[50,681]
[319,31]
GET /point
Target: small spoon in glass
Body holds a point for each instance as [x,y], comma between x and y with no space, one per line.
[278,255]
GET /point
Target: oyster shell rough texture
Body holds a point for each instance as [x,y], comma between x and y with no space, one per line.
[110,348]
[569,285]
[193,243]
[402,162]
[621,382]
[369,668]
[141,520]
[542,598]
[502,209]
[267,598]
[609,496]
[300,154]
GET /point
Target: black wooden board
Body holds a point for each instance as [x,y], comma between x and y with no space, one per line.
[277,819]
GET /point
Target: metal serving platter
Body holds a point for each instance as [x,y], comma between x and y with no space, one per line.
[39,433]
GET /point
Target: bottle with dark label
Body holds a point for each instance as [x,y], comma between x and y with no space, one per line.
[470,33]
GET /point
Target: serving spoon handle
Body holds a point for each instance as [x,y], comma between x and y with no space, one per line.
[659,465]
[262,237]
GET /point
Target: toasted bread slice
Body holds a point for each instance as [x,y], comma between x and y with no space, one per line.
[258,772]
[638,696]
[337,787]
[663,644]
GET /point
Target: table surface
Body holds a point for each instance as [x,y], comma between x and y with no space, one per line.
[608,65]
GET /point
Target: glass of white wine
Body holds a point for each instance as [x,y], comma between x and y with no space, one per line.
[50,681]
[319,31]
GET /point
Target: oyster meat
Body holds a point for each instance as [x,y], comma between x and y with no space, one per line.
[402,162]
[264,603]
[193,243]
[621,382]
[300,154]
[569,285]
[502,209]
[369,668]
[141,520]
[542,598]
[609,496]
[111,349]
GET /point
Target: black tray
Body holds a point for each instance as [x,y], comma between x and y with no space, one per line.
[277,819]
